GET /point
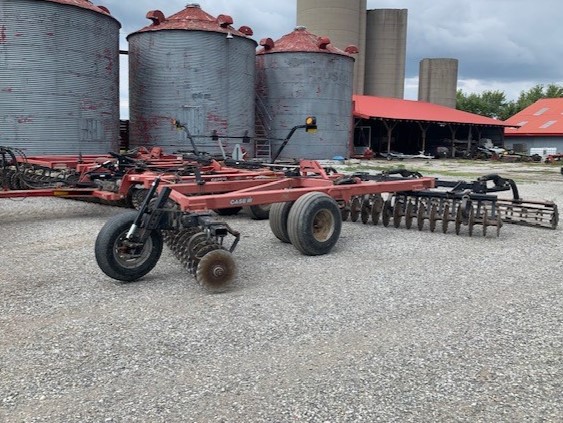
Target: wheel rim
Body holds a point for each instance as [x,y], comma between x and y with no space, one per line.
[323,225]
[131,257]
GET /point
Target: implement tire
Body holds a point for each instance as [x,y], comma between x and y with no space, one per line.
[279,213]
[230,211]
[111,256]
[260,212]
[314,223]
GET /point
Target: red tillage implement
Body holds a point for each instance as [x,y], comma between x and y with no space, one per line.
[308,206]
[113,178]
[306,211]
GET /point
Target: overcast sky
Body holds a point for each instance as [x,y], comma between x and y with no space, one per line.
[506,45]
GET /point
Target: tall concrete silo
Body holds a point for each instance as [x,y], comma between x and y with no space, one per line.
[59,77]
[438,81]
[344,22]
[303,75]
[386,46]
[194,68]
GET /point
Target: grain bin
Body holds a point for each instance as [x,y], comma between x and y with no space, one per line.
[194,68]
[300,75]
[59,77]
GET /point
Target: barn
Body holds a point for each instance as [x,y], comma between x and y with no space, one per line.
[538,129]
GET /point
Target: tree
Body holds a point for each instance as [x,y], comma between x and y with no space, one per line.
[488,103]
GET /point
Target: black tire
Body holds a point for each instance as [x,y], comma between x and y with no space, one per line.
[260,212]
[314,223]
[279,213]
[231,211]
[112,262]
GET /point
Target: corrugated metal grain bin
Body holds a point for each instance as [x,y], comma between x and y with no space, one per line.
[301,75]
[59,77]
[194,68]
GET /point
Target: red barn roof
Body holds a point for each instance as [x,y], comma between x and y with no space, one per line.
[543,118]
[409,110]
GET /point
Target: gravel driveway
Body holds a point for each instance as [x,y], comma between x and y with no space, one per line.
[394,325]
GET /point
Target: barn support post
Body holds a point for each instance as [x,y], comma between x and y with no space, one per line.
[453,131]
[423,131]
[389,128]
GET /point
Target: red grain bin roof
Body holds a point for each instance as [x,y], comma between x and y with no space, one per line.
[543,118]
[85,4]
[409,110]
[193,18]
[300,41]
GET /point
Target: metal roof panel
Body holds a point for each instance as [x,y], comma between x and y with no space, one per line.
[543,118]
[410,110]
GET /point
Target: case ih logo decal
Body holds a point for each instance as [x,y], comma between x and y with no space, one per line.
[241,201]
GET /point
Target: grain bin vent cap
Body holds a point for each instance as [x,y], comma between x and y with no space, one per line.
[85,4]
[301,40]
[193,18]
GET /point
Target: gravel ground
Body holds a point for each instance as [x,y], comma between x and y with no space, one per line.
[393,325]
